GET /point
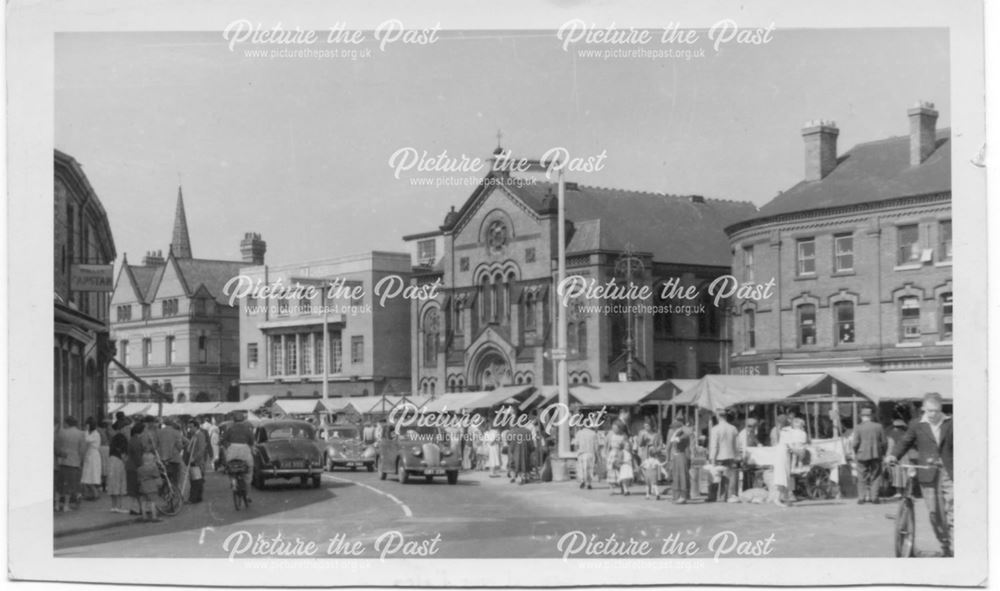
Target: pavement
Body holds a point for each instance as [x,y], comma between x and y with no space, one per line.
[481,517]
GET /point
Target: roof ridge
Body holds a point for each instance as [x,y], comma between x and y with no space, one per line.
[946,131]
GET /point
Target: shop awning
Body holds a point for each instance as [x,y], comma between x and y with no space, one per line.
[250,404]
[298,406]
[500,396]
[883,387]
[622,393]
[717,392]
[193,409]
[135,408]
[453,402]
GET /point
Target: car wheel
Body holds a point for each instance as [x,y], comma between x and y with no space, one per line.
[401,473]
[303,480]
[370,467]
[381,468]
[453,477]
[257,482]
[316,481]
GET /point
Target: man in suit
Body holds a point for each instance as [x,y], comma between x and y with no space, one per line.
[931,436]
[722,452]
[869,445]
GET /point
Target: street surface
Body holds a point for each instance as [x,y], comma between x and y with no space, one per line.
[356,515]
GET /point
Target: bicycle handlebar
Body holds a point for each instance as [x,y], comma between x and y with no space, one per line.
[917,467]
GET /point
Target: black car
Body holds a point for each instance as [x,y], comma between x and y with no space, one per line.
[286,448]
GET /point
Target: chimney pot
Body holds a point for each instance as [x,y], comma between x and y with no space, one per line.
[923,135]
[820,137]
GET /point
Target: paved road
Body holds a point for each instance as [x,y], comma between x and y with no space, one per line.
[483,517]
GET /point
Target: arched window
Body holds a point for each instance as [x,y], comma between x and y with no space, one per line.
[530,316]
[508,290]
[946,330]
[750,329]
[581,337]
[585,379]
[527,379]
[131,390]
[495,297]
[484,297]
[432,327]
[807,324]
[843,316]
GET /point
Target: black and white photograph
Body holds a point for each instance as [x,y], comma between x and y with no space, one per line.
[547,295]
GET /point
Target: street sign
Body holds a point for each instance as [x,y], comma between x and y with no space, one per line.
[559,354]
[91,278]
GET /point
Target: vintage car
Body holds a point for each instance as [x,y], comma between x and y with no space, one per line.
[286,448]
[413,451]
[343,447]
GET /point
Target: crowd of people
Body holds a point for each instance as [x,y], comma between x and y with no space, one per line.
[128,459]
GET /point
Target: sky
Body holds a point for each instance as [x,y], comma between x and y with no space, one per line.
[298,148]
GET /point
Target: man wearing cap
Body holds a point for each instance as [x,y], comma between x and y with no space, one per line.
[869,448]
[238,442]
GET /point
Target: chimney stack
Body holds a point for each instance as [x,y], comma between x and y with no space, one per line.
[253,248]
[821,148]
[153,258]
[923,135]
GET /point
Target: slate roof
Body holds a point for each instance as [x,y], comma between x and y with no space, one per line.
[673,228]
[212,274]
[869,172]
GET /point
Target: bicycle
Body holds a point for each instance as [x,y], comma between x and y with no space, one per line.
[169,500]
[237,469]
[905,534]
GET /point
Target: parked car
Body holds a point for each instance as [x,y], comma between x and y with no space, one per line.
[286,448]
[344,448]
[416,451]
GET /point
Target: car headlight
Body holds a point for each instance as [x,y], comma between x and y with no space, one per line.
[417,452]
[445,452]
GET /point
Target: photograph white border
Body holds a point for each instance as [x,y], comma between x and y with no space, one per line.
[30,31]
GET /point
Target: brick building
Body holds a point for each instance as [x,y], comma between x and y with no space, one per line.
[860,255]
[366,352]
[173,326]
[83,242]
[493,322]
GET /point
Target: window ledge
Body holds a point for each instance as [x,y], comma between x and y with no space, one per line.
[908,345]
[908,267]
[844,273]
[943,263]
[809,277]
[947,343]
[749,352]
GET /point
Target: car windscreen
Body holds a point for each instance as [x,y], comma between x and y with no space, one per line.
[290,432]
[342,434]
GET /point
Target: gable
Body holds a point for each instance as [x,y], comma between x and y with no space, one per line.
[125,291]
[495,204]
[171,284]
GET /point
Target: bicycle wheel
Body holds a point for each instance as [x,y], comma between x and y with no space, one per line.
[906,530]
[169,501]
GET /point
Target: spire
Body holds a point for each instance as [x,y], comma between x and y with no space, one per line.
[180,243]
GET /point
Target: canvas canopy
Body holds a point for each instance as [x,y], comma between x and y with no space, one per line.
[882,387]
[453,402]
[718,392]
[250,404]
[298,406]
[623,393]
[135,408]
[190,408]
[500,396]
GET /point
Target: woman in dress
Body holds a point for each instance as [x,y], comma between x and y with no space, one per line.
[116,481]
[491,439]
[678,451]
[91,473]
[616,453]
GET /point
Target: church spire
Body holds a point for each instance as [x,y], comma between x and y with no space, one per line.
[180,242]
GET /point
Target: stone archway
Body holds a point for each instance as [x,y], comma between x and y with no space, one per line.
[491,369]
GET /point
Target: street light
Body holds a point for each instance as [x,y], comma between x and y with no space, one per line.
[559,354]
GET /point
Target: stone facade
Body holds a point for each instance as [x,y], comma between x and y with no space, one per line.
[366,353]
[493,322]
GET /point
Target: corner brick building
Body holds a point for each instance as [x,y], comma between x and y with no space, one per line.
[860,253]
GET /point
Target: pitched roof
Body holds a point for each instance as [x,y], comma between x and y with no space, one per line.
[870,172]
[144,279]
[210,273]
[673,228]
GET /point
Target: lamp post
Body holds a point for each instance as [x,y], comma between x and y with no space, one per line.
[625,265]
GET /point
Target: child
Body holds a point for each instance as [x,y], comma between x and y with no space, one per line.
[652,469]
[149,485]
[625,472]
[116,472]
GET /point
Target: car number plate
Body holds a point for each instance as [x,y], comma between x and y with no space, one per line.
[433,471]
[352,464]
[296,464]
